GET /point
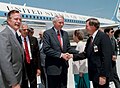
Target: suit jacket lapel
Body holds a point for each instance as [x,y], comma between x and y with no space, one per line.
[14,39]
[63,38]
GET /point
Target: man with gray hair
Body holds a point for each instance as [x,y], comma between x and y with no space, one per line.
[11,52]
[32,63]
[56,46]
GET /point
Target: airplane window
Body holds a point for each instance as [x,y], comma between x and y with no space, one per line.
[5,14]
[40,17]
[43,18]
[37,17]
[46,18]
[34,17]
[50,18]
[23,16]
[30,16]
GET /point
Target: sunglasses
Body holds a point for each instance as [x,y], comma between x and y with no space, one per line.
[112,31]
[24,29]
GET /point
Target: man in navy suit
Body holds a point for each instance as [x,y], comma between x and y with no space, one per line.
[98,50]
[56,45]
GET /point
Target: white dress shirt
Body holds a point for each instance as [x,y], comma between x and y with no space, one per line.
[28,43]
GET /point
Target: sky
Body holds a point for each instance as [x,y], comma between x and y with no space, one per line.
[98,8]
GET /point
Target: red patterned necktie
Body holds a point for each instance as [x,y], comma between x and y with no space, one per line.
[59,38]
[26,51]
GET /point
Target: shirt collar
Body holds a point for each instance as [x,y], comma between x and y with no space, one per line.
[23,38]
[56,30]
[94,34]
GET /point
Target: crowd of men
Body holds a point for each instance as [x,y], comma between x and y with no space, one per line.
[24,57]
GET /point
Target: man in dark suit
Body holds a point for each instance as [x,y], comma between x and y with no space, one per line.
[11,53]
[114,75]
[30,31]
[98,50]
[32,63]
[56,44]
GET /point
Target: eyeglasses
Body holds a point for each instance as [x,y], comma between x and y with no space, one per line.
[40,34]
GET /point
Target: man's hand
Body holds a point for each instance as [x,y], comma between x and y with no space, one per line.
[38,72]
[70,56]
[81,74]
[114,57]
[16,86]
[102,80]
[67,56]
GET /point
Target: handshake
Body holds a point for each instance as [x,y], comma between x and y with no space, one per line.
[66,56]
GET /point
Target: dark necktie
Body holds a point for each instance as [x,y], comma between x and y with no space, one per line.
[89,47]
[17,37]
[26,51]
[59,38]
[91,40]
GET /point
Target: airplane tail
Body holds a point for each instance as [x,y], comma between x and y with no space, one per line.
[116,15]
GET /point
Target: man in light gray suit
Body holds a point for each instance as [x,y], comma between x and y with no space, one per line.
[11,52]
